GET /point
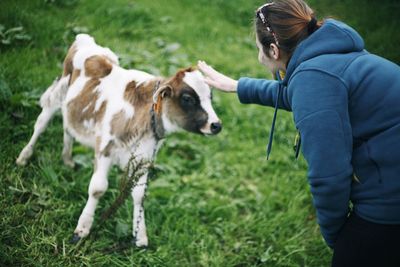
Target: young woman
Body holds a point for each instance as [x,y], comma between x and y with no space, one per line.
[346,107]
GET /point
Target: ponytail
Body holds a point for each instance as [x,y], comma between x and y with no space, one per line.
[285,23]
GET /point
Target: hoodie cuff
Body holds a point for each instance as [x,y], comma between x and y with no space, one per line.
[244,91]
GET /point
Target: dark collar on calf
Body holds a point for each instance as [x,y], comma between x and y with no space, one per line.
[156,120]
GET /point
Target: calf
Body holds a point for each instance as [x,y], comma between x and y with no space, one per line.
[120,113]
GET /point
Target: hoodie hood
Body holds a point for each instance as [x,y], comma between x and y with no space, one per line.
[333,37]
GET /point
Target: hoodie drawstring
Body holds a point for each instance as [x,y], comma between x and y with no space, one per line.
[271,133]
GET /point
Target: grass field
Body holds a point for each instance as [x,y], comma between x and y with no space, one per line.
[214,201]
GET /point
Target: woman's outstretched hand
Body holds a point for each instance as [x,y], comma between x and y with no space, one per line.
[216,79]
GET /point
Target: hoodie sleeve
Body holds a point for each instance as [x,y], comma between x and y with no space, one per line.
[320,108]
[262,92]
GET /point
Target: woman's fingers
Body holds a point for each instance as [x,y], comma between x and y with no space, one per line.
[213,83]
[210,77]
[216,79]
[207,70]
[211,72]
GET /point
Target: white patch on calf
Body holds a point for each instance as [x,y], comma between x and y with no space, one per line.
[84,39]
[55,94]
[88,124]
[169,126]
[87,47]
[196,80]
[140,76]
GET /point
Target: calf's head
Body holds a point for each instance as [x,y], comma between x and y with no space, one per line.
[186,104]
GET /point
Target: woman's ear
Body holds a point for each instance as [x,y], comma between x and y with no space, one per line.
[274,51]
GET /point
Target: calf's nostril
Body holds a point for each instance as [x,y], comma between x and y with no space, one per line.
[216,127]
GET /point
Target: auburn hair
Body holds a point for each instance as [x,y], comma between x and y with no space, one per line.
[285,23]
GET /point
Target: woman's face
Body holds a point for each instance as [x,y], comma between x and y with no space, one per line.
[269,62]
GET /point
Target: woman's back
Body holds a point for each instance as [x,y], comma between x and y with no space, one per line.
[331,71]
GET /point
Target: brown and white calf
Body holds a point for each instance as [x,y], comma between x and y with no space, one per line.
[120,113]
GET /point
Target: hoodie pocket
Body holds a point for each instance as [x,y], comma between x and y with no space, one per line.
[385,151]
[365,168]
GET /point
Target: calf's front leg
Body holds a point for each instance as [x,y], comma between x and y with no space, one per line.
[97,187]
[139,225]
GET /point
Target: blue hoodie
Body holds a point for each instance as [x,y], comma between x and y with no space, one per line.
[346,106]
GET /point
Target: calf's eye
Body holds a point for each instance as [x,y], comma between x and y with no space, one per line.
[187,100]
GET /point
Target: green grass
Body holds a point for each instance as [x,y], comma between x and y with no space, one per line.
[215,201]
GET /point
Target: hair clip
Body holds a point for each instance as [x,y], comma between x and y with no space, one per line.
[265,5]
[264,20]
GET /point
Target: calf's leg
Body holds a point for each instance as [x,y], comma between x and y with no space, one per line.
[139,226]
[50,102]
[40,125]
[97,187]
[67,149]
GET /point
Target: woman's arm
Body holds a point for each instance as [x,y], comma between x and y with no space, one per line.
[250,91]
[320,108]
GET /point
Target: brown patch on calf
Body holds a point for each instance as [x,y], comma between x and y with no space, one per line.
[98,194]
[140,95]
[68,66]
[131,92]
[82,107]
[104,152]
[97,67]
[125,128]
[97,144]
[107,150]
[75,74]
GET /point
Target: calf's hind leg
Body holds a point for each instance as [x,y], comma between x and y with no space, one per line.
[50,102]
[40,125]
[67,149]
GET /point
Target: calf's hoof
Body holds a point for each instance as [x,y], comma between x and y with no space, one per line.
[143,243]
[23,157]
[20,162]
[75,239]
[69,163]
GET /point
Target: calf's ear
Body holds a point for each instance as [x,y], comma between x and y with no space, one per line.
[181,73]
[163,91]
